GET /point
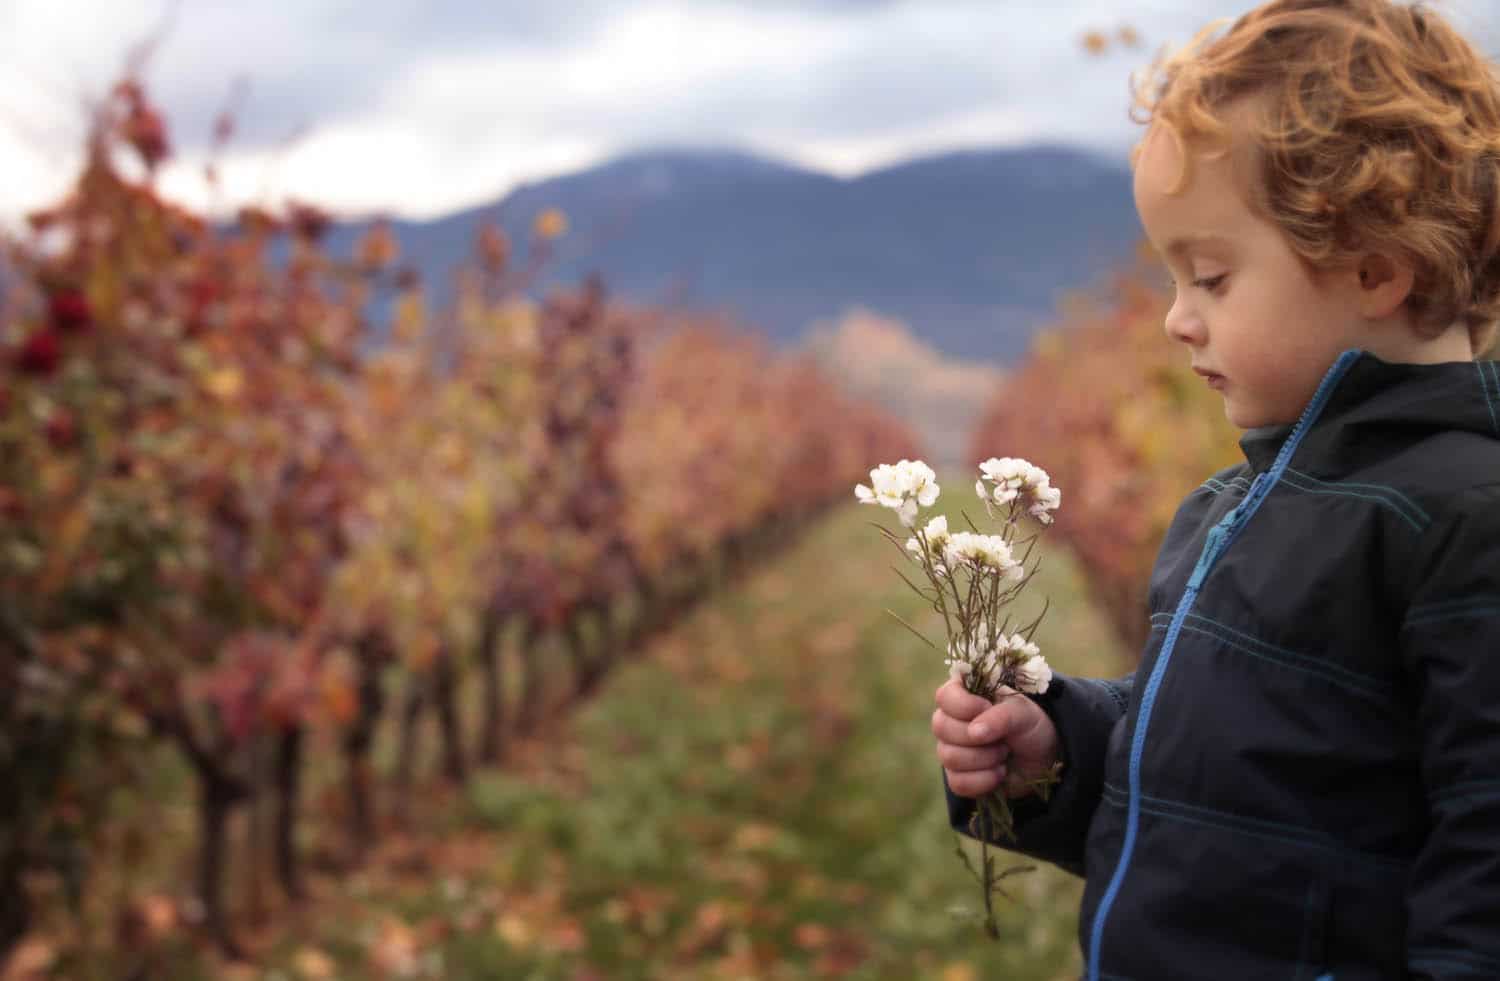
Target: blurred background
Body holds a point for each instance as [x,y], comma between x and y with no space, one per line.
[427,437]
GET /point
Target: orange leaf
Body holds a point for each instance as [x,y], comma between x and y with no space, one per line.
[29,960]
[811,936]
[313,964]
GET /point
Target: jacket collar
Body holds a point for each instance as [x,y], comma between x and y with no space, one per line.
[1379,404]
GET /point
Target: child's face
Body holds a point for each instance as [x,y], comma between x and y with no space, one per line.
[1261,329]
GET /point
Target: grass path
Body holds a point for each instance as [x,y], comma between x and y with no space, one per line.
[755,797]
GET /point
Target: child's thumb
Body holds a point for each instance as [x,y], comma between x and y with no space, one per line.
[992,724]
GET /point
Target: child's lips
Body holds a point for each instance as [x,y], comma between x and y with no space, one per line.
[1214,379]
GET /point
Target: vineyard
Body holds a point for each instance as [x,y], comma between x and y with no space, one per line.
[243,519]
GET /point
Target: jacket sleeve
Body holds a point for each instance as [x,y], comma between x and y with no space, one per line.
[1450,643]
[1085,710]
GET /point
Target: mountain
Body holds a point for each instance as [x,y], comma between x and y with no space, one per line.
[971,249]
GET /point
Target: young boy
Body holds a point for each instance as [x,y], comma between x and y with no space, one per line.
[1302,778]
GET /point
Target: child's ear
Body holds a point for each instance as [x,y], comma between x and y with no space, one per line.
[1384,284]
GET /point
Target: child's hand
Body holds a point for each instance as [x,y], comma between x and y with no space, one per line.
[980,744]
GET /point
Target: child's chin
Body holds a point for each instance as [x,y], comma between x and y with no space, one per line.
[1248,417]
[1241,416]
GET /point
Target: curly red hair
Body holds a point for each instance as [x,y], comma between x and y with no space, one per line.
[1372,126]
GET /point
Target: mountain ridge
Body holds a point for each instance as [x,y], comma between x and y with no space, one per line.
[970,248]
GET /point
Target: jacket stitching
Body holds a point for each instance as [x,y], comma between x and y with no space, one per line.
[1467,790]
[1438,606]
[1443,966]
[1459,957]
[1287,481]
[1255,647]
[1290,659]
[1495,381]
[1336,492]
[1415,508]
[1477,610]
[1461,803]
[1451,610]
[1218,486]
[1254,827]
[1485,388]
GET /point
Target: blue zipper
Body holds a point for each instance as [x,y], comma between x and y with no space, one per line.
[1220,537]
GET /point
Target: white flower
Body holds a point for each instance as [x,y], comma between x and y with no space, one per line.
[1016,478]
[1033,675]
[1013,662]
[902,487]
[923,483]
[1017,647]
[1044,502]
[936,534]
[980,552]
[1006,470]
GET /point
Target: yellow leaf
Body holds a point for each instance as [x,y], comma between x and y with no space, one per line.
[551,223]
[513,930]
[340,700]
[394,949]
[225,383]
[411,317]
[68,537]
[313,964]
[960,971]
[1047,345]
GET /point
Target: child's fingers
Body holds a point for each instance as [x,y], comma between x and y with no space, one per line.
[996,722]
[975,783]
[959,703]
[947,729]
[957,759]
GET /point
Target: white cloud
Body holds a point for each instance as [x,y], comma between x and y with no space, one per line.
[420,109]
[851,156]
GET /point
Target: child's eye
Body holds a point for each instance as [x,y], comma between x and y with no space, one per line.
[1209,283]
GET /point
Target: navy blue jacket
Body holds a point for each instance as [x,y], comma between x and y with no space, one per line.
[1302,778]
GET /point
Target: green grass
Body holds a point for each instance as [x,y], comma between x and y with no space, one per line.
[756,796]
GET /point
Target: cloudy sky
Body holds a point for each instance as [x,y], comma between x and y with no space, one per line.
[420,107]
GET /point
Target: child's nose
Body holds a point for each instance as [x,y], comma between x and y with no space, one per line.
[1182,324]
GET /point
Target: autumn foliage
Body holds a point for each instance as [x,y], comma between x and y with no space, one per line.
[237,513]
[1107,405]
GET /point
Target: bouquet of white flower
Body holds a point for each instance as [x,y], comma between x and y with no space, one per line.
[972,580]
